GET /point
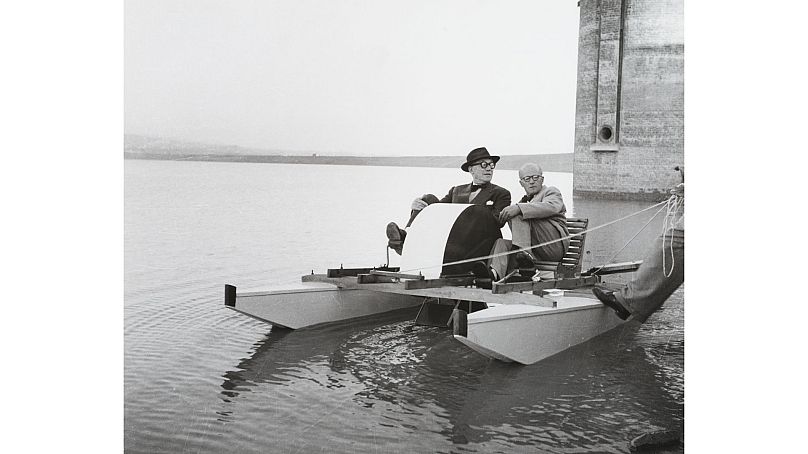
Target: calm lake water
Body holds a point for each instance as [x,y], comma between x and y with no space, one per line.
[201,378]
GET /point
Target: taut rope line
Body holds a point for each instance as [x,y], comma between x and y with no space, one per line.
[632,238]
[502,254]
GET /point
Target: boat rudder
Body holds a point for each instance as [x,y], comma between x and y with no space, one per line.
[229,295]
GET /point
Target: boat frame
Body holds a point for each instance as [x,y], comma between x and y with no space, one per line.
[523,317]
[517,319]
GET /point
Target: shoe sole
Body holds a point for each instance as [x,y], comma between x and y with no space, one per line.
[618,308]
[393,232]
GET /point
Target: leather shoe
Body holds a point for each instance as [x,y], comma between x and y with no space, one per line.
[607,297]
[481,271]
[395,237]
[525,259]
[483,274]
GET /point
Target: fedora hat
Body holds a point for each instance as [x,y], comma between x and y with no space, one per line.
[477,154]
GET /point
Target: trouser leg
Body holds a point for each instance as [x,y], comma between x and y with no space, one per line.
[413,214]
[526,233]
[651,287]
[520,231]
[429,199]
[500,264]
[542,232]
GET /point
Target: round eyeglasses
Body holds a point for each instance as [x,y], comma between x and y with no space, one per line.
[487,165]
[528,179]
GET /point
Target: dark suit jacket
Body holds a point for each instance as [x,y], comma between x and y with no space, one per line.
[499,196]
[477,228]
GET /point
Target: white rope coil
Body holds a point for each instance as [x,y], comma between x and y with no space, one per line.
[673,205]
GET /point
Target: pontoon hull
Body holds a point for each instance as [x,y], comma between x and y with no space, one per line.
[314,303]
[528,334]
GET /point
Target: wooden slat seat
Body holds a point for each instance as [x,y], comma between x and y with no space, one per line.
[569,265]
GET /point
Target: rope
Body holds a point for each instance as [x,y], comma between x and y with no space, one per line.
[672,206]
[502,254]
[631,239]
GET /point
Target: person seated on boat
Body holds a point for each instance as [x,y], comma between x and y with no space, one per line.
[661,273]
[480,164]
[539,217]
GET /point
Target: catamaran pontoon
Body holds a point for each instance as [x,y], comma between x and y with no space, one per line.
[517,318]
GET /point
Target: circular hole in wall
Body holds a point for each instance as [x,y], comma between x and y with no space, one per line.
[605,133]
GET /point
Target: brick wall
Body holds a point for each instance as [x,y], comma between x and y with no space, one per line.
[631,80]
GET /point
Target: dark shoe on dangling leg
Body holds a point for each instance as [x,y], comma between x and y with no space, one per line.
[484,276]
[607,297]
[395,237]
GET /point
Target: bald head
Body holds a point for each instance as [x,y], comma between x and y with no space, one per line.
[531,178]
[529,169]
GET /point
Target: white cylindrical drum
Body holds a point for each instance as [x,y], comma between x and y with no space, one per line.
[447,232]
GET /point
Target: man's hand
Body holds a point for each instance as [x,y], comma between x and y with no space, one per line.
[679,190]
[418,204]
[509,213]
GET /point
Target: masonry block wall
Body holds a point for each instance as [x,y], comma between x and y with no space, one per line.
[629,119]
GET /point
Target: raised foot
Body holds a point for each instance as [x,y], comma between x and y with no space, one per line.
[395,237]
[607,297]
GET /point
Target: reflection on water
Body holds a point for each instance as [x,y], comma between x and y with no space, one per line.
[200,378]
[416,389]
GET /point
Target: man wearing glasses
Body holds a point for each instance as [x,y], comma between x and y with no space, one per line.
[480,164]
[539,217]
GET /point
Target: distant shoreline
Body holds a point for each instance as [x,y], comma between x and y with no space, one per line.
[560,162]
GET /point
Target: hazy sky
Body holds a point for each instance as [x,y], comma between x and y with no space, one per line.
[416,77]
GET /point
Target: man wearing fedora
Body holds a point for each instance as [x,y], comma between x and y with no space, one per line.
[480,164]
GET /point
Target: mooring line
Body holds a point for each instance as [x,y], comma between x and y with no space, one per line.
[609,260]
[502,254]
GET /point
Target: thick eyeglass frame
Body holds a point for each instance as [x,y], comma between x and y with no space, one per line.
[532,177]
[486,164]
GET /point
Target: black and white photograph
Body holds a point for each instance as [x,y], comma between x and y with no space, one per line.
[403,227]
[433,226]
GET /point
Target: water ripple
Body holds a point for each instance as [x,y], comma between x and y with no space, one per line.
[201,378]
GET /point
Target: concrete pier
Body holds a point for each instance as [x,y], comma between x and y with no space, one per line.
[629,120]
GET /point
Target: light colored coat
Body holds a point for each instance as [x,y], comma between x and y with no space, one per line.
[546,208]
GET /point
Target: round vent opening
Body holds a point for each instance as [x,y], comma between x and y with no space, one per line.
[605,133]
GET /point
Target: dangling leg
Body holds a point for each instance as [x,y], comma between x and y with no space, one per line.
[651,286]
[500,264]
